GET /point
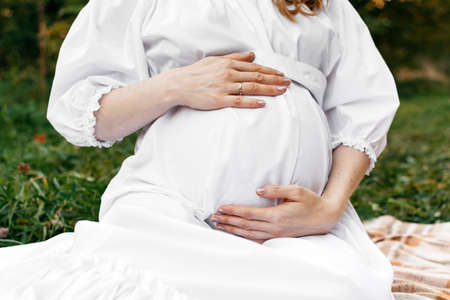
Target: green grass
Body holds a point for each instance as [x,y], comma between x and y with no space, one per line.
[64,183]
[411,178]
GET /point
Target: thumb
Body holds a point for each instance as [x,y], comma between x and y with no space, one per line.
[245,56]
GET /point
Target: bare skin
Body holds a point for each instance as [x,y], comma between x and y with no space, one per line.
[213,83]
[210,83]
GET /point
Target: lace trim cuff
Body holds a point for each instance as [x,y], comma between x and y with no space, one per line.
[88,120]
[358,144]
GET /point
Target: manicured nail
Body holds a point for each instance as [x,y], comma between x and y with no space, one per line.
[280,73]
[260,191]
[214,219]
[221,210]
[261,102]
[281,88]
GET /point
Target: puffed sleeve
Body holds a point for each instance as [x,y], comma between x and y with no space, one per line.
[103,50]
[361,97]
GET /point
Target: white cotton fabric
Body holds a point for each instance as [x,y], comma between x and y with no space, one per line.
[154,239]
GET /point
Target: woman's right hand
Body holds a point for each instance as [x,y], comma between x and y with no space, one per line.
[210,83]
[215,82]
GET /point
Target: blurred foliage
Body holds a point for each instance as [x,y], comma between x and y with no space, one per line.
[422,87]
[409,31]
[406,32]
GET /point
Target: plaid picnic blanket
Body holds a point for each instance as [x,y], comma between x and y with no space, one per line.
[419,254]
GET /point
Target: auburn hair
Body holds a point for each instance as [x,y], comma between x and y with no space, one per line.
[304,7]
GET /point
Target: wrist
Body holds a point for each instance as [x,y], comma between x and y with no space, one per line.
[166,92]
[170,92]
[335,205]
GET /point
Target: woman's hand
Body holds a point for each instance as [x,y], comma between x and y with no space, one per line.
[302,213]
[210,83]
[215,82]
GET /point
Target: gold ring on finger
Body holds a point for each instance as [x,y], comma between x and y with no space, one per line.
[240,88]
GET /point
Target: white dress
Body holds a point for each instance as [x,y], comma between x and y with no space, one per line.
[153,239]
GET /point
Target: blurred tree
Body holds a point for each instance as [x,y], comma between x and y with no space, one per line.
[43,44]
[410,32]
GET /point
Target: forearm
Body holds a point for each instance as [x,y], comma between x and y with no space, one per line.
[347,171]
[127,109]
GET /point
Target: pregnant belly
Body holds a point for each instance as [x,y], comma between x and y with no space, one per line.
[217,157]
[221,156]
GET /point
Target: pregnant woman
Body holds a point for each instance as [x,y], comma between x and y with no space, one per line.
[259,119]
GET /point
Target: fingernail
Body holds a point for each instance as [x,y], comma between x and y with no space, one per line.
[261,102]
[214,219]
[260,191]
[281,88]
[285,79]
[221,210]
[280,73]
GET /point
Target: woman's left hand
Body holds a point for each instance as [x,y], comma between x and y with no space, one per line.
[302,213]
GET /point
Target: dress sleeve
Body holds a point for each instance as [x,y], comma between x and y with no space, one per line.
[103,50]
[361,97]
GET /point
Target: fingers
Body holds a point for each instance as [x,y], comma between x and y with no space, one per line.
[260,78]
[249,234]
[253,67]
[240,101]
[290,191]
[249,212]
[246,56]
[243,62]
[252,225]
[258,241]
[255,83]
[253,88]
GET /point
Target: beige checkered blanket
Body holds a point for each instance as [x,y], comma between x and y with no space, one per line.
[419,254]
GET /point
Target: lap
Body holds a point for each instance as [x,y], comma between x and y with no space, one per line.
[293,267]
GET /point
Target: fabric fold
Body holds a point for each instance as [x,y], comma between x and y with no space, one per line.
[72,276]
